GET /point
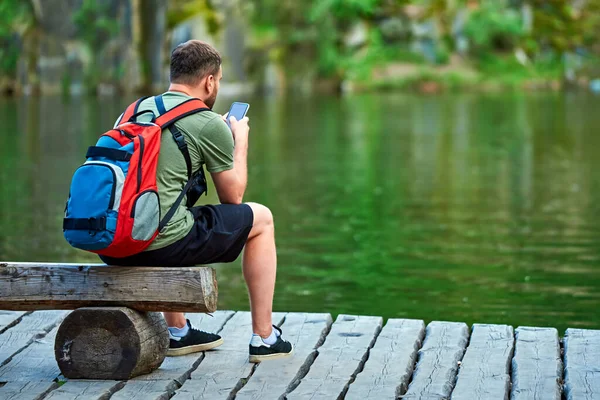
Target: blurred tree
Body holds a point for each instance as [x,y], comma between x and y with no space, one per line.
[564,25]
[180,10]
[444,12]
[95,27]
[149,36]
[13,13]
[19,34]
[317,40]
[334,18]
[494,27]
[315,29]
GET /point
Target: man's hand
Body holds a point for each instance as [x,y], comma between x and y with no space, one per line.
[231,184]
[240,130]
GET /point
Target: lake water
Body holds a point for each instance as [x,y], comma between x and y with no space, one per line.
[475,208]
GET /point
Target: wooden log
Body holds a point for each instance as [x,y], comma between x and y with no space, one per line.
[225,369]
[110,343]
[484,370]
[31,327]
[306,332]
[88,390]
[391,361]
[582,364]
[437,366]
[340,358]
[37,286]
[536,365]
[26,390]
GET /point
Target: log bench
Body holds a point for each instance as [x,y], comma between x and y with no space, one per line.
[117,330]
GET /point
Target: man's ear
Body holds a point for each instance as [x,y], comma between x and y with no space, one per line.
[210,83]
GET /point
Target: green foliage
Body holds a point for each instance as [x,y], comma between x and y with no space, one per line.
[453,80]
[316,30]
[493,27]
[180,10]
[442,54]
[60,382]
[9,55]
[96,27]
[310,38]
[329,51]
[343,10]
[94,23]
[15,17]
[13,14]
[554,27]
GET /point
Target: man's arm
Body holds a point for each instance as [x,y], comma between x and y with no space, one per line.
[231,184]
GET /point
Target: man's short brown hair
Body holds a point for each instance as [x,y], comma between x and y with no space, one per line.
[193,60]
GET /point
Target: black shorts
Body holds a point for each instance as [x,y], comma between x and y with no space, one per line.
[218,235]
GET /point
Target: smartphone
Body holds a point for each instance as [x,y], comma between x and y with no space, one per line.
[238,110]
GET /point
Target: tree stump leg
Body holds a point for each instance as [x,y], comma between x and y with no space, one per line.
[110,343]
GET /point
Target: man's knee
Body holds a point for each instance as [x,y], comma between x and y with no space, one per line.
[263,217]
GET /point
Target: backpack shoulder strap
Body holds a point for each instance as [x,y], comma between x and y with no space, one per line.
[166,120]
[188,107]
[131,110]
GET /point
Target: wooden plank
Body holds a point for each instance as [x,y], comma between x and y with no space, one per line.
[37,286]
[9,318]
[162,383]
[147,390]
[175,368]
[31,326]
[26,390]
[536,365]
[223,370]
[391,361]
[35,363]
[582,364]
[340,358]
[484,371]
[85,389]
[306,332]
[437,364]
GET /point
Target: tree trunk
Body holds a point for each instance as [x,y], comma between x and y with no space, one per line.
[149,33]
[110,343]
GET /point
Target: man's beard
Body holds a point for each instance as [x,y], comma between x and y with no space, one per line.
[210,101]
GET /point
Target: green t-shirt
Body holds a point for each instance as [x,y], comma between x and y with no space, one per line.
[209,142]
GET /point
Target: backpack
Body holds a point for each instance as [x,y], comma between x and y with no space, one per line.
[113,207]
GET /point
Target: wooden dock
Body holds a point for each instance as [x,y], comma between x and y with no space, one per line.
[355,357]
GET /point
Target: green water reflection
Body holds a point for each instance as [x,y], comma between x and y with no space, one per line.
[460,207]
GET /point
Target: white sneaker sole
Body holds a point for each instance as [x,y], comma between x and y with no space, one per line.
[194,349]
[266,357]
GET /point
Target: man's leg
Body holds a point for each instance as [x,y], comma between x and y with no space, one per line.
[260,267]
[175,319]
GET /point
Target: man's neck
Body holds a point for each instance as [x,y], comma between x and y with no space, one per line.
[175,87]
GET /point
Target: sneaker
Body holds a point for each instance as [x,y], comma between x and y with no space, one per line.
[194,341]
[260,351]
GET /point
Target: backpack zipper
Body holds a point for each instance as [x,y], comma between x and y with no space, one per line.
[126,134]
[139,169]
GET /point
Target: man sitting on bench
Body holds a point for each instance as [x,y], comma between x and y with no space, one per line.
[212,233]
